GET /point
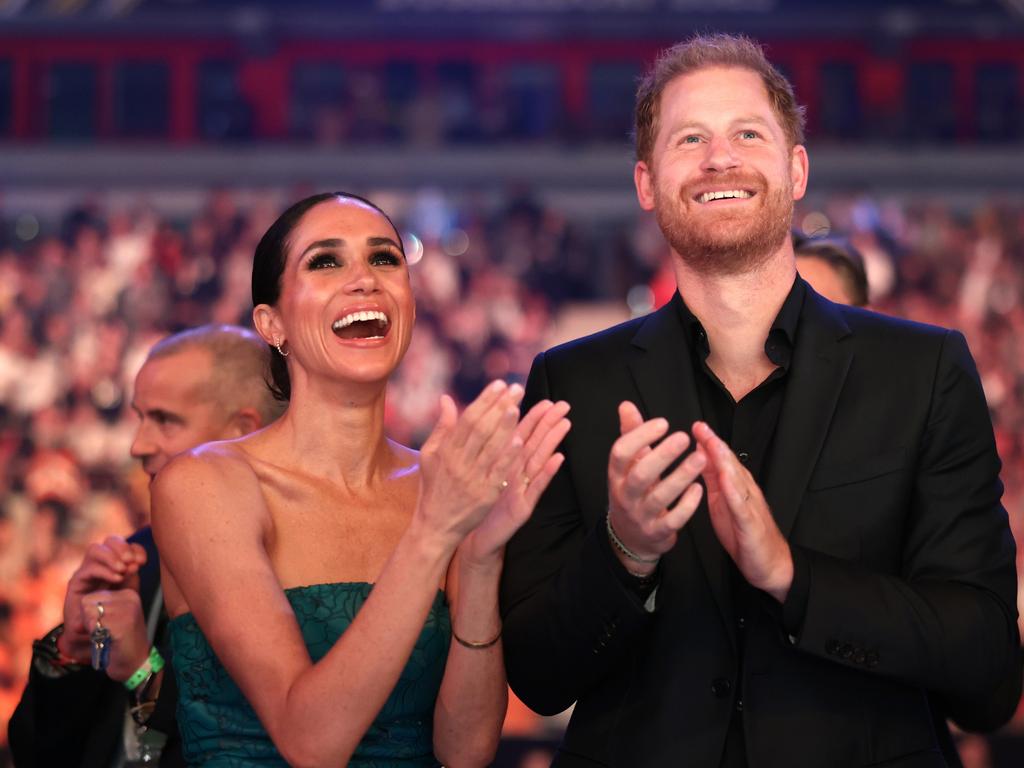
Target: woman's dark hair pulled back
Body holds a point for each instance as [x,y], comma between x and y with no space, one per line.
[268,265]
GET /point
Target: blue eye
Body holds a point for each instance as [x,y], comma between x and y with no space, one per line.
[692,139]
[750,134]
[322,261]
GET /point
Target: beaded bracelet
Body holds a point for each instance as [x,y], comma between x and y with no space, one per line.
[623,548]
[149,667]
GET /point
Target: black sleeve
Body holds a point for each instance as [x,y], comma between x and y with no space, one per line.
[948,621]
[66,720]
[568,617]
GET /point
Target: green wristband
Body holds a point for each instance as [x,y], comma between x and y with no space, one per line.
[149,667]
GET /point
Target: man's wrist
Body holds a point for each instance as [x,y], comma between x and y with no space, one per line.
[636,563]
[49,660]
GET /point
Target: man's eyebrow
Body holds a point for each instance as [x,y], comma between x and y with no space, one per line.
[751,119]
[333,242]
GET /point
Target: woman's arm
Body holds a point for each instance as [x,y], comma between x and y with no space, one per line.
[211,522]
[474,693]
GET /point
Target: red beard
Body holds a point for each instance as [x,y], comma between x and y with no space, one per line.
[726,242]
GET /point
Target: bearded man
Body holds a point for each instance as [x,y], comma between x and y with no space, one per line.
[777,536]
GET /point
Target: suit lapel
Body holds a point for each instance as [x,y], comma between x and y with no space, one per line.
[662,369]
[820,364]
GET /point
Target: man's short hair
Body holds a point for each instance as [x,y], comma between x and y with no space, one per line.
[702,52]
[240,367]
[844,259]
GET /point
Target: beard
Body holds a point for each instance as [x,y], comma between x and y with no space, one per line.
[727,242]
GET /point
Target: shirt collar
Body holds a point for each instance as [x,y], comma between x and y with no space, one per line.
[781,336]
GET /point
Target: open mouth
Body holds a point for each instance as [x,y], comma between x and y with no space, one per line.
[366,324]
[724,194]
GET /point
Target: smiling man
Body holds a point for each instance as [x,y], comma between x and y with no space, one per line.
[777,536]
[196,386]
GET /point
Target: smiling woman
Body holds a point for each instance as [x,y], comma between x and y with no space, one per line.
[316,571]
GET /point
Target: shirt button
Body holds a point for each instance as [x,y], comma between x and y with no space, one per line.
[741,622]
[721,687]
[739,705]
[743,456]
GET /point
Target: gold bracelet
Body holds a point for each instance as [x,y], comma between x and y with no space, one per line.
[476,646]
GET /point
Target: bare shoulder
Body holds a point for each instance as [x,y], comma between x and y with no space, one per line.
[207,472]
[207,490]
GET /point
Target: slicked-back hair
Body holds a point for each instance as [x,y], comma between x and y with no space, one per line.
[268,265]
[702,52]
[240,364]
[844,259]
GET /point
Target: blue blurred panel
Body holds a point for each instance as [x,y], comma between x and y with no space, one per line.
[930,109]
[533,98]
[998,109]
[319,90]
[611,90]
[72,100]
[142,99]
[222,112]
[840,114]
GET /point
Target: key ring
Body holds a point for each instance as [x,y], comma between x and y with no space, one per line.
[100,637]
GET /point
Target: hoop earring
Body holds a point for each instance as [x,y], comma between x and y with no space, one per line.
[280,351]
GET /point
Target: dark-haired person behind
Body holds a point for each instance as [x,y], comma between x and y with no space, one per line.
[834,268]
[334,594]
[198,385]
[777,537]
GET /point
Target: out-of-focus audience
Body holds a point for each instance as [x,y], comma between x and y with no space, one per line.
[86,295]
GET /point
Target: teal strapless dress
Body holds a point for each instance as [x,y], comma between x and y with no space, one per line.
[219,728]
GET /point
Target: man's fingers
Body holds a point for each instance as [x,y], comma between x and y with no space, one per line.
[625,450]
[646,471]
[103,555]
[668,489]
[629,417]
[679,515]
[94,574]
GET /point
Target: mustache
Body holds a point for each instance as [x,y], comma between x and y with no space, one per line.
[754,181]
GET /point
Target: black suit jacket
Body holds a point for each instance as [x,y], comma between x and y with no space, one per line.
[76,721]
[883,474]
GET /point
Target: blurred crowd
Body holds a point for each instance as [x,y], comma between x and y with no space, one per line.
[84,294]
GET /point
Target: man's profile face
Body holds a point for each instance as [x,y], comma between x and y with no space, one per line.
[175,407]
[722,178]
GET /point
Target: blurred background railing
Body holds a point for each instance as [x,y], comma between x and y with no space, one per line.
[146,144]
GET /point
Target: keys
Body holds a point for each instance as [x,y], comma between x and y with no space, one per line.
[100,637]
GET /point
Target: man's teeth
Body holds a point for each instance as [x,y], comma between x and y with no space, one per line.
[728,193]
[360,317]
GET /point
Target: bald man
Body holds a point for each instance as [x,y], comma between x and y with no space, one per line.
[197,386]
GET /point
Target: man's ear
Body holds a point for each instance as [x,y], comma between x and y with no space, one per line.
[799,167]
[268,324]
[644,181]
[243,422]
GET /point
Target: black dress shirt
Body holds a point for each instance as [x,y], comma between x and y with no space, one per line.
[748,427]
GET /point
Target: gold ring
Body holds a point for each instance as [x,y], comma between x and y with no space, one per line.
[99,617]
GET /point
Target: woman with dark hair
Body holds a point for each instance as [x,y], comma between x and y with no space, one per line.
[315,571]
